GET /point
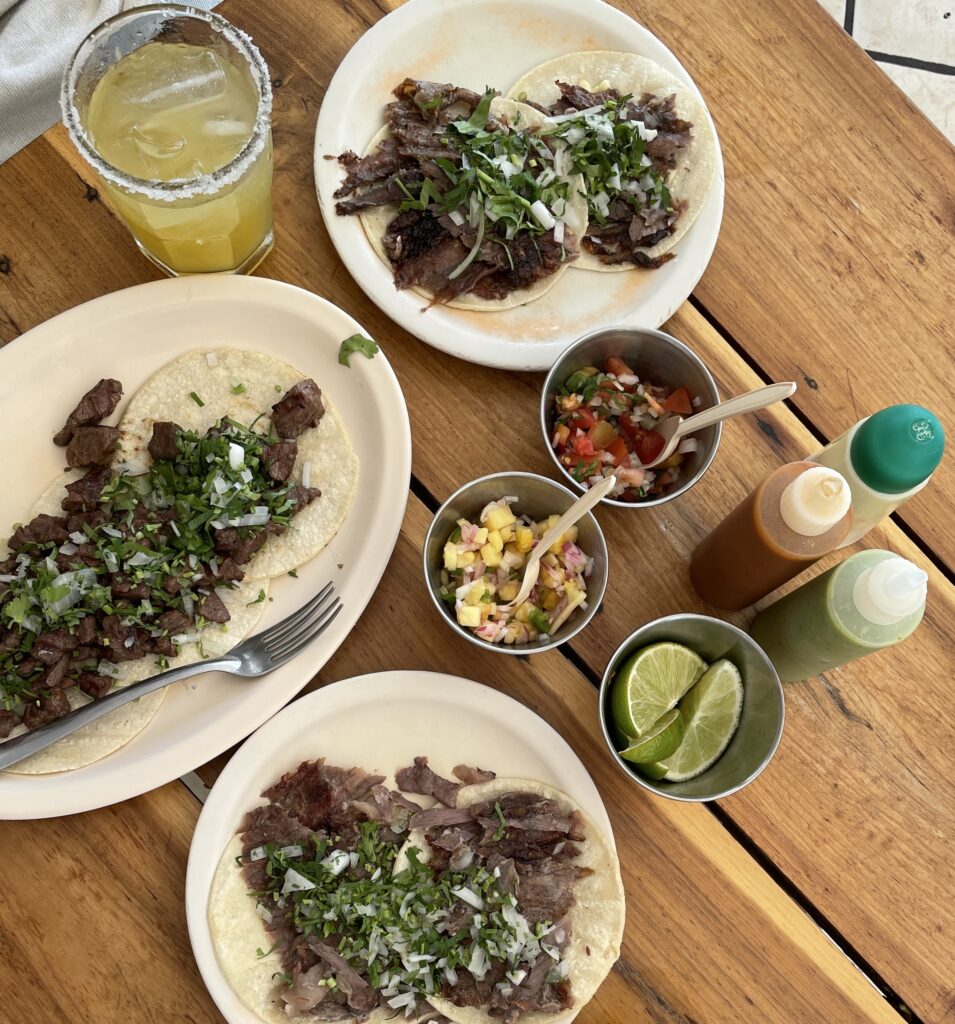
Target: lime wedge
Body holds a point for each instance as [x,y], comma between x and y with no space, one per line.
[650,683]
[652,771]
[711,712]
[661,741]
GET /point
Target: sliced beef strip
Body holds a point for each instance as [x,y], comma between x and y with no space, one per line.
[78,520]
[211,608]
[435,817]
[42,529]
[46,709]
[298,409]
[302,496]
[279,459]
[92,446]
[162,444]
[472,776]
[305,992]
[84,494]
[163,646]
[55,675]
[98,403]
[362,998]
[419,778]
[121,587]
[322,796]
[8,722]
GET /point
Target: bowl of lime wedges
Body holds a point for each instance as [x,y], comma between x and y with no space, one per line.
[691,707]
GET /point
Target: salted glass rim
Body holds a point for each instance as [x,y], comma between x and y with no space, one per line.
[174,188]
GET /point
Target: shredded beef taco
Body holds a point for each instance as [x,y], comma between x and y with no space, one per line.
[343,899]
[460,196]
[644,142]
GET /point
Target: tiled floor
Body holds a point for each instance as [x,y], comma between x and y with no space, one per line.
[913,41]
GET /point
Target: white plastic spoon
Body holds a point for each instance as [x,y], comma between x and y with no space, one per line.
[576,511]
[674,428]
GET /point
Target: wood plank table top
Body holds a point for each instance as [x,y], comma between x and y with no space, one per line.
[824,891]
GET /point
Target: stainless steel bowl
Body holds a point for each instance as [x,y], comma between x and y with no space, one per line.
[655,357]
[761,724]
[537,497]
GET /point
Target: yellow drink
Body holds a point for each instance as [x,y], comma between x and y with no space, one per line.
[178,132]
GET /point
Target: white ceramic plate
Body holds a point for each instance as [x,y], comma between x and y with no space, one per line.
[477,43]
[129,335]
[379,722]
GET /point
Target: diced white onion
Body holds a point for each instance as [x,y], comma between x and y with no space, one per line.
[129,641]
[264,913]
[306,474]
[253,519]
[456,217]
[292,851]
[110,561]
[696,402]
[543,216]
[559,232]
[295,882]
[111,531]
[236,455]
[68,549]
[336,862]
[212,359]
[78,537]
[107,668]
[174,528]
[7,577]
[688,445]
[402,1000]
[187,603]
[468,896]
[185,638]
[258,853]
[140,558]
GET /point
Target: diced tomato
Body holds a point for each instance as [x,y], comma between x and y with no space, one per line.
[679,402]
[583,445]
[630,429]
[601,434]
[618,449]
[615,365]
[649,446]
[584,419]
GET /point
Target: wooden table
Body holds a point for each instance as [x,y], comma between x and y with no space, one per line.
[823,892]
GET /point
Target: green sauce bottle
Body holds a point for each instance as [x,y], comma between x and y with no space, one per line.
[871,600]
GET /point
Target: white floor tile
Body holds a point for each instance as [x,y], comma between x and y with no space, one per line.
[934,94]
[837,8]
[907,28]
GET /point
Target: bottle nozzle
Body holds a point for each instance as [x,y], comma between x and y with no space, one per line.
[815,501]
[890,591]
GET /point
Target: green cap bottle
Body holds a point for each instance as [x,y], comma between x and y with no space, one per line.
[897,448]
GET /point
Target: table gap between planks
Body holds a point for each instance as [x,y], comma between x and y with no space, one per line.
[850,828]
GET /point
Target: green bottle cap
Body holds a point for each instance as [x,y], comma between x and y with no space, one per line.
[897,448]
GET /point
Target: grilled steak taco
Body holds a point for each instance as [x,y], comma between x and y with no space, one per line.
[643,141]
[156,549]
[505,903]
[459,194]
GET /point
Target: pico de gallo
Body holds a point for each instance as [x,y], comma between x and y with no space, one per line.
[605,422]
[483,572]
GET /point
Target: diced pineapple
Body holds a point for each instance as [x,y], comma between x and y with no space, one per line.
[507,533]
[499,517]
[516,559]
[474,595]
[509,591]
[522,611]
[571,590]
[467,558]
[550,600]
[481,536]
[551,560]
[450,557]
[524,538]
[495,539]
[570,536]
[491,556]
[470,616]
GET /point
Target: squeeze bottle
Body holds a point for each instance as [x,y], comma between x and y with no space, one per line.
[870,600]
[886,458]
[794,517]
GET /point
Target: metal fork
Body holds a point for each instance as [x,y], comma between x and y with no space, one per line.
[256,656]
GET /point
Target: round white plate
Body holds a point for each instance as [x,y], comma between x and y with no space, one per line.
[378,722]
[477,43]
[129,335]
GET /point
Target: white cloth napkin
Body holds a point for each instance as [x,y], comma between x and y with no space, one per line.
[37,39]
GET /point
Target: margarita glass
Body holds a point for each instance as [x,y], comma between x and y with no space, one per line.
[170,105]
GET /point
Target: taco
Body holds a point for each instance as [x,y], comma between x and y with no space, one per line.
[155,550]
[458,194]
[644,142]
[342,899]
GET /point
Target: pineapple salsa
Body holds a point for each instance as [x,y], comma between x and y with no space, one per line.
[483,570]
